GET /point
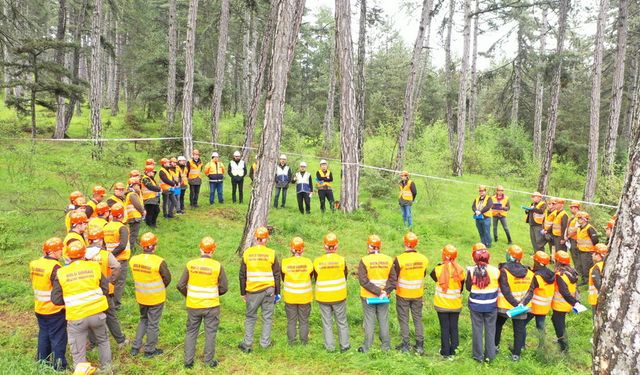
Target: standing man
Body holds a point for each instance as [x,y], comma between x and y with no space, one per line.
[151,277]
[78,221]
[135,210]
[324,178]
[183,170]
[297,291]
[98,195]
[535,217]
[408,193]
[119,196]
[304,188]
[167,182]
[195,167]
[571,233]
[586,239]
[52,336]
[151,196]
[559,227]
[283,178]
[481,208]
[203,282]
[549,217]
[331,293]
[101,219]
[373,275]
[499,211]
[259,286]
[595,274]
[116,240]
[237,170]
[215,171]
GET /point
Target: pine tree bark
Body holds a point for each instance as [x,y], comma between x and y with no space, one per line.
[360,81]
[517,75]
[539,100]
[173,52]
[617,91]
[187,91]
[632,111]
[115,100]
[545,171]
[462,91]
[59,59]
[96,79]
[75,61]
[223,35]
[6,57]
[594,109]
[250,72]
[287,25]
[409,94]
[330,110]
[473,94]
[448,76]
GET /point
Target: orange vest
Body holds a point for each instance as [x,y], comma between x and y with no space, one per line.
[112,239]
[584,241]
[194,170]
[557,224]
[593,292]
[542,296]
[549,217]
[559,303]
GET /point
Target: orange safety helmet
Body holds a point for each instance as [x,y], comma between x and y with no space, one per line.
[330,239]
[262,233]
[74,195]
[208,245]
[541,257]
[99,190]
[562,257]
[80,201]
[374,241]
[449,252]
[583,215]
[515,251]
[134,173]
[575,204]
[148,239]
[118,186]
[134,181]
[117,210]
[410,240]
[78,217]
[149,168]
[150,162]
[297,244]
[404,174]
[102,208]
[52,244]
[601,249]
[611,223]
[164,161]
[76,250]
[174,160]
[95,232]
[478,246]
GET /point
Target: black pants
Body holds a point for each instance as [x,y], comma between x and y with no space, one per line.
[52,339]
[194,193]
[153,210]
[539,320]
[169,203]
[326,195]
[236,184]
[304,202]
[558,319]
[448,332]
[519,332]
[183,192]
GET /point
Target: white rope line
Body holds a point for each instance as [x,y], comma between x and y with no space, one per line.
[91,140]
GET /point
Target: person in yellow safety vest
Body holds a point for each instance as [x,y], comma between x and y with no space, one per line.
[81,288]
[259,288]
[98,195]
[202,283]
[78,221]
[110,268]
[183,171]
[167,182]
[52,334]
[150,162]
[499,212]
[297,271]
[564,296]
[330,272]
[373,275]
[324,180]
[215,172]
[150,196]
[116,240]
[71,207]
[408,193]
[254,169]
[151,277]
[80,206]
[595,273]
[540,293]
[514,282]
[586,239]
[102,212]
[481,208]
[571,234]
[559,226]
[194,168]
[447,299]
[119,196]
[535,218]
[410,268]
[547,226]
[135,210]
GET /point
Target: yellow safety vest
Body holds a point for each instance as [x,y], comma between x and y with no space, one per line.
[67,220]
[214,168]
[324,184]
[538,218]
[132,212]
[202,289]
[572,228]
[584,241]
[558,303]
[80,282]
[378,268]
[145,268]
[194,170]
[71,236]
[259,261]
[103,260]
[557,224]
[519,288]
[452,298]
[297,288]
[405,191]
[485,300]
[593,292]
[97,222]
[121,201]
[481,204]
[93,206]
[504,202]
[40,271]
[112,239]
[549,217]
[146,193]
[183,175]
[331,285]
[164,186]
[411,276]
[542,296]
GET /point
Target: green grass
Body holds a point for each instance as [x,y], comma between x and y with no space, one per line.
[38,177]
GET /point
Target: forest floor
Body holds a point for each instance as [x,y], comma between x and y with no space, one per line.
[37,178]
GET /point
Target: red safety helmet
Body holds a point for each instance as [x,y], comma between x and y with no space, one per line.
[95,232]
[297,244]
[117,210]
[102,208]
[78,217]
[515,251]
[374,241]
[99,190]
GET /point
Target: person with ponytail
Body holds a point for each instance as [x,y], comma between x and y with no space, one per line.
[447,299]
[565,296]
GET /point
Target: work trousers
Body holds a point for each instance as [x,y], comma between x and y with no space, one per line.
[169,203]
[324,195]
[304,202]
[215,187]
[337,311]
[134,230]
[519,332]
[153,210]
[483,327]
[120,283]
[586,262]
[52,339]
[558,244]
[373,313]
[484,230]
[78,332]
[194,194]
[211,318]
[404,307]
[407,219]
[575,254]
[265,301]
[298,315]
[559,325]
[279,191]
[539,327]
[537,238]
[237,185]
[113,324]
[149,325]
[183,192]
[449,337]
[503,221]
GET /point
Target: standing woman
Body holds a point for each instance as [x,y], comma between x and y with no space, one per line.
[447,299]
[564,296]
[540,293]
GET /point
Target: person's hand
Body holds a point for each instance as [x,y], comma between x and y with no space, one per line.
[310,195]
[383,294]
[477,212]
[244,298]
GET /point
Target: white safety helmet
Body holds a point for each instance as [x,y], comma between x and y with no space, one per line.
[323,162]
[237,153]
[303,164]
[215,155]
[182,158]
[283,157]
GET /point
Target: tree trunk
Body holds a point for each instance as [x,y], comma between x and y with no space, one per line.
[6,56]
[187,91]
[115,100]
[517,75]
[425,57]
[173,51]
[448,76]
[545,171]
[96,79]
[220,68]
[34,62]
[75,63]
[331,93]
[246,56]
[287,25]
[360,81]
[594,110]
[617,90]
[473,95]
[633,105]
[539,101]
[59,59]
[237,85]
[462,92]
[250,73]
[409,94]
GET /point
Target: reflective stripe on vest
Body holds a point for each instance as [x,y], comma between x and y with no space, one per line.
[184,180]
[583,240]
[297,280]
[572,228]
[557,224]
[411,276]
[498,204]
[452,298]
[40,271]
[80,283]
[378,267]
[112,239]
[150,289]
[559,303]
[259,261]
[593,291]
[163,185]
[103,260]
[146,193]
[542,296]
[331,285]
[549,217]
[538,218]
[132,212]
[194,169]
[519,288]
[216,169]
[302,182]
[202,288]
[485,300]
[405,191]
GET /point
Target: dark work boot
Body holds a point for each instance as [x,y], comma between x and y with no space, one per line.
[404,347]
[419,347]
[564,345]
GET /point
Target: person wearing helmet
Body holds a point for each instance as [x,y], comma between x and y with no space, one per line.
[559,226]
[150,196]
[259,288]
[52,334]
[176,176]
[540,293]
[547,226]
[608,229]
[215,171]
[297,291]
[80,205]
[237,170]
[119,195]
[151,277]
[595,273]
[482,284]
[447,299]
[183,171]
[409,270]
[283,178]
[565,296]
[535,218]
[98,195]
[78,221]
[324,179]
[254,169]
[373,276]
[101,219]
[116,240]
[499,211]
[571,234]
[203,281]
[194,170]
[167,182]
[82,289]
[481,208]
[330,272]
[135,210]
[586,239]
[408,193]
[72,200]
[304,188]
[514,282]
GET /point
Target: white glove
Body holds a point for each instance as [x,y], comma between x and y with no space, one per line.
[578,308]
